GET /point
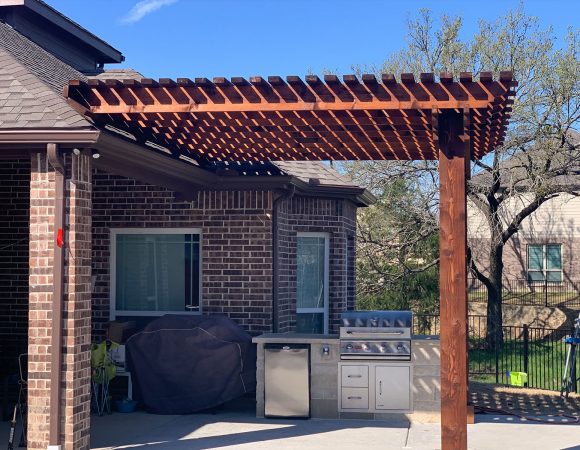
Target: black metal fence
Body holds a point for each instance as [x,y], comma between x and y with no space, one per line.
[537,293]
[539,352]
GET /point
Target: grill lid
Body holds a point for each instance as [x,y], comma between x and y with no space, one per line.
[373,319]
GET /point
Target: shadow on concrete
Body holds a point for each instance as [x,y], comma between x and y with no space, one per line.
[235,425]
[534,403]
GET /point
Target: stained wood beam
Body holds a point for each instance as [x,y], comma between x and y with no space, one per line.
[312,118]
[453,153]
[111,108]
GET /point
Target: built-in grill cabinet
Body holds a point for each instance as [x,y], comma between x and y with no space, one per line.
[375,371]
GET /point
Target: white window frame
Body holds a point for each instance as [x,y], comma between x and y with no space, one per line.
[114,313]
[545,269]
[325,309]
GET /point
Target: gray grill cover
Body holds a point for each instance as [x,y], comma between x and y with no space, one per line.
[183,364]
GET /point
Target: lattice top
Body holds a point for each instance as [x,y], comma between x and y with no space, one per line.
[298,119]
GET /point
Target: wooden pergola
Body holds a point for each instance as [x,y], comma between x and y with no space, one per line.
[451,119]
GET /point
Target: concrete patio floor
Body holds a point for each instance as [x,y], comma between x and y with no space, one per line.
[239,431]
[236,427]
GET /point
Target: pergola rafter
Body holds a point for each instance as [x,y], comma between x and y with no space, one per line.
[259,120]
[295,119]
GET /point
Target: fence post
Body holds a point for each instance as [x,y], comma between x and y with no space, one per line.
[496,345]
[526,349]
[546,289]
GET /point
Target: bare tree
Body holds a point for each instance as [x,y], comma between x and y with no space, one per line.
[534,164]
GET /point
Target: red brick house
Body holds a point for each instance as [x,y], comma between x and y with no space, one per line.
[271,245]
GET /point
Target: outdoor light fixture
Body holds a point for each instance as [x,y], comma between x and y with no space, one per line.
[77,151]
[96,154]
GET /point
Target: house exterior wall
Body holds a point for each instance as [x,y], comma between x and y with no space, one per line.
[14,234]
[556,222]
[516,254]
[236,229]
[558,217]
[332,216]
[237,248]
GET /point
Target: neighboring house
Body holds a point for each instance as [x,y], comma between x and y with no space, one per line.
[547,245]
[271,245]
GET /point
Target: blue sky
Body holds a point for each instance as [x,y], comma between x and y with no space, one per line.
[207,38]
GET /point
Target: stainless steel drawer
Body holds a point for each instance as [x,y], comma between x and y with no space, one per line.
[354,398]
[355,376]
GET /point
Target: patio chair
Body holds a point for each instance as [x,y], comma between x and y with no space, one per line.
[103,370]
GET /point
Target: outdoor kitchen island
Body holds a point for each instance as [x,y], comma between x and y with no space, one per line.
[327,389]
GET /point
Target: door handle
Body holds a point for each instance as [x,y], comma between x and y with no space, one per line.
[354,398]
[354,376]
[380,388]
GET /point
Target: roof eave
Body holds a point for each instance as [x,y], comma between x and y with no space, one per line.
[81,137]
[360,196]
[108,53]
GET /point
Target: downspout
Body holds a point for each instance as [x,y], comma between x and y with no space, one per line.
[275,269]
[57,162]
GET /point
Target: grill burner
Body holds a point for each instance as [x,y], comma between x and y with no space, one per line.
[376,335]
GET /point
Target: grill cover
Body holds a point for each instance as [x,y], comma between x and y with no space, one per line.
[183,364]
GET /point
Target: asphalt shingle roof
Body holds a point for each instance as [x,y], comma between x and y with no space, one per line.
[313,170]
[116,74]
[31,84]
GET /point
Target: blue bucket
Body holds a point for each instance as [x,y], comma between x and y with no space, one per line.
[126,406]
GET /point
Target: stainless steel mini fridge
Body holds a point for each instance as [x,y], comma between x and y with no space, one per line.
[287,380]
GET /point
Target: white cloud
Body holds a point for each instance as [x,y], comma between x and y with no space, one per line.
[144,7]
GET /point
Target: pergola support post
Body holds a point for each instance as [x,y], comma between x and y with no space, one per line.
[59,342]
[453,156]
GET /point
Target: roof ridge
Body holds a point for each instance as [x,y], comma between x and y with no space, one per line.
[74,23]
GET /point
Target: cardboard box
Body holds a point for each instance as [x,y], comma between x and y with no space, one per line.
[119,332]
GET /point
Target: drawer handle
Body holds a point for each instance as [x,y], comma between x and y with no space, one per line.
[354,376]
[354,398]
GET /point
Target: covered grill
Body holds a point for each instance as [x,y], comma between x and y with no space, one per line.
[384,335]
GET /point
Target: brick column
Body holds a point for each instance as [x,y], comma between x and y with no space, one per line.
[75,400]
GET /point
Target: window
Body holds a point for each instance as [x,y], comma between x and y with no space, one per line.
[155,271]
[312,283]
[545,262]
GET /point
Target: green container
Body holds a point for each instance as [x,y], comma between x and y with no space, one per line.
[517,378]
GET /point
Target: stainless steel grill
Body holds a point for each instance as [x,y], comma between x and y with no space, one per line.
[376,335]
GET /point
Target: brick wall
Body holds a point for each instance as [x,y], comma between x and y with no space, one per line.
[236,244]
[338,219]
[76,315]
[14,233]
[77,311]
[40,298]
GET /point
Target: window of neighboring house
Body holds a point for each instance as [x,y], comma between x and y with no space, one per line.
[545,262]
[155,272]
[312,283]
